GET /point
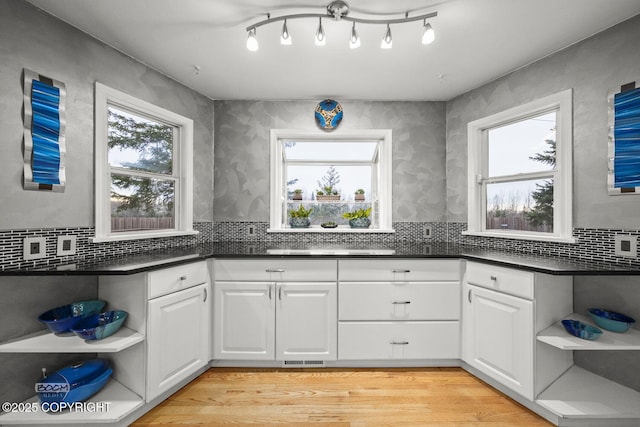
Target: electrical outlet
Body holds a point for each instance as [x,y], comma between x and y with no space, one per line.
[427,232]
[251,231]
[626,245]
[34,248]
[66,245]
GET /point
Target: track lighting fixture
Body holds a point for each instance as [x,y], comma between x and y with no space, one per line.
[339,10]
[429,35]
[354,41]
[285,37]
[387,42]
[321,38]
[252,41]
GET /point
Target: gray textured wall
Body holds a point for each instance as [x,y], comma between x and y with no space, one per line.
[592,68]
[242,153]
[36,41]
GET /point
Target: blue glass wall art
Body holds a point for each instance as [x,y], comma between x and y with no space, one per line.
[624,141]
[44,128]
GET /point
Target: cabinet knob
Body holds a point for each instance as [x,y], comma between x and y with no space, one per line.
[494,278]
[183,278]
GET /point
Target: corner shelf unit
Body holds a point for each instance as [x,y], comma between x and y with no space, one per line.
[579,394]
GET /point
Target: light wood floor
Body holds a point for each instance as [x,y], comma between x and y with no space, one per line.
[429,397]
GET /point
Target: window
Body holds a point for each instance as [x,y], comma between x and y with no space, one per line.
[520,171]
[324,171]
[144,158]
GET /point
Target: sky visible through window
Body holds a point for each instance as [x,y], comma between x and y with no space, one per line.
[352,160]
[510,150]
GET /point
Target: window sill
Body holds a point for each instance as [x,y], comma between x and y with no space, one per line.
[538,238]
[339,229]
[139,236]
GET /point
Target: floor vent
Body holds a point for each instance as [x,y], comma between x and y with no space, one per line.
[302,363]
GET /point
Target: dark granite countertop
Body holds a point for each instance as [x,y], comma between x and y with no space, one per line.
[137,263]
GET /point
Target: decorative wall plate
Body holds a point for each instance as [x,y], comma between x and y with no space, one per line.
[328,114]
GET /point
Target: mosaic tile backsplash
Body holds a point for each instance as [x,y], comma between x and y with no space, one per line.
[591,244]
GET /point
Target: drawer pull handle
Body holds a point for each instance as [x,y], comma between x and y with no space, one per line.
[269,292]
[205,296]
[399,343]
[469,295]
[400,271]
[494,278]
[183,278]
[275,270]
[280,293]
[401,302]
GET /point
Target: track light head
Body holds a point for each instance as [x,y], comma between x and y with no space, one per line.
[321,38]
[387,42]
[354,41]
[285,37]
[252,41]
[428,36]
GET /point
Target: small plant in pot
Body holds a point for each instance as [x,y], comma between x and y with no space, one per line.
[299,218]
[358,218]
[327,193]
[297,194]
[359,195]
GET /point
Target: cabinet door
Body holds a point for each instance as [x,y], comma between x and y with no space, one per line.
[178,337]
[244,320]
[306,321]
[498,337]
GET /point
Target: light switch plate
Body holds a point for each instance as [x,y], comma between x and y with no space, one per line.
[626,245]
[66,245]
[34,248]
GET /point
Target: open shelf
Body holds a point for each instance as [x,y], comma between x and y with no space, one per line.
[47,342]
[118,400]
[581,394]
[556,336]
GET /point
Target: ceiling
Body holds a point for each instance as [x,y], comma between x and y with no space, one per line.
[202,43]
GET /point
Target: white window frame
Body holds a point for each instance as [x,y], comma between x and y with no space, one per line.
[182,167]
[384,179]
[477,151]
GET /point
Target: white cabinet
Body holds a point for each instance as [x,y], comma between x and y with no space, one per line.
[503,310]
[498,337]
[178,326]
[282,310]
[178,338]
[399,309]
[244,320]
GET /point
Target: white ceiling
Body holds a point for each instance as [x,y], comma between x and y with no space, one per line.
[476,42]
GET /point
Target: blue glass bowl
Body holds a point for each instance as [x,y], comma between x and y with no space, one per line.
[610,320]
[62,319]
[75,383]
[99,326]
[581,330]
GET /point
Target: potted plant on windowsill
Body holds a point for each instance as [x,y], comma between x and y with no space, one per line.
[297,194]
[299,218]
[358,218]
[327,193]
[359,195]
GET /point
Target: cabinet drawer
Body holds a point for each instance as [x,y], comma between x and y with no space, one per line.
[398,269]
[399,301]
[507,280]
[167,280]
[398,340]
[275,270]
